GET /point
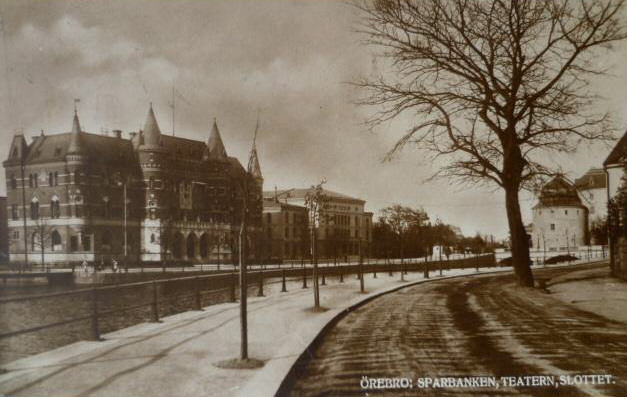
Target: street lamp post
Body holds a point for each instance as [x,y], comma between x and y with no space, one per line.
[361,268]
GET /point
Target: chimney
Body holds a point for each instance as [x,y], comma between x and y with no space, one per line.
[117,134]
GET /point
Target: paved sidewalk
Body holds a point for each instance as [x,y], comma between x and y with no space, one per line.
[176,357]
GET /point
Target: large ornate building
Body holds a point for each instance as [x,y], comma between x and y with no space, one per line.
[150,197]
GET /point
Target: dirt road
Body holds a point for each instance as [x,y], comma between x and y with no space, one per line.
[469,327]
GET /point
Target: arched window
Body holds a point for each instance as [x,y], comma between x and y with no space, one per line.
[55,207]
[13,182]
[152,238]
[151,182]
[106,207]
[30,180]
[55,239]
[50,179]
[56,178]
[34,208]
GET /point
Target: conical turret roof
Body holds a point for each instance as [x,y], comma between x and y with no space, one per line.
[152,133]
[76,146]
[215,147]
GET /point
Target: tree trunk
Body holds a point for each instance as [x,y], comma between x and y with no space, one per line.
[520,245]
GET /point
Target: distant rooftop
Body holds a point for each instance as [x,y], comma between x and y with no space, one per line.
[593,179]
[618,153]
[301,193]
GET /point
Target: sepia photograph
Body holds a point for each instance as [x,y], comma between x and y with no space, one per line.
[313,198]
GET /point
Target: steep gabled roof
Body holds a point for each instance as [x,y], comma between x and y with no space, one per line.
[618,153]
[18,148]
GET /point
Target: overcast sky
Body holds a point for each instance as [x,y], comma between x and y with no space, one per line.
[289,60]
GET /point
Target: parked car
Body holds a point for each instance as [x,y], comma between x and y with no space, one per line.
[560,258]
[505,262]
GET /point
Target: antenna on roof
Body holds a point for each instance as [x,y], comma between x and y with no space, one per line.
[76,100]
[256,129]
[172,105]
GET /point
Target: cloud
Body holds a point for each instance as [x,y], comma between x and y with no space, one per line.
[288,60]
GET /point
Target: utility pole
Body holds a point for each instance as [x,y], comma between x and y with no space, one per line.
[24,211]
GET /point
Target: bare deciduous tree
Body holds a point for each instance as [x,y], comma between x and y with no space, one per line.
[493,85]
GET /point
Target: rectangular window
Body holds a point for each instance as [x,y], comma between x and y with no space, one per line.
[74,243]
[552,226]
[86,242]
[14,212]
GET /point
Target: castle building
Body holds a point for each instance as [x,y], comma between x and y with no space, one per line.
[560,219]
[152,197]
[345,228]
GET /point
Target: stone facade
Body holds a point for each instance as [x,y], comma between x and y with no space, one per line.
[150,197]
[285,231]
[345,228]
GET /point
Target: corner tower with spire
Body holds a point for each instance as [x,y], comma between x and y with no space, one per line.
[153,160]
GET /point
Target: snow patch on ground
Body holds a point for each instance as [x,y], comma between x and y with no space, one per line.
[593,291]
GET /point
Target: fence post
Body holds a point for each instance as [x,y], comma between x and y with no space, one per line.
[232,279]
[283,286]
[304,277]
[155,302]
[95,329]
[324,281]
[341,275]
[477,262]
[197,285]
[426,269]
[260,293]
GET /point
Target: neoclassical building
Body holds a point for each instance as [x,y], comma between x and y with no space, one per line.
[345,229]
[560,219]
[149,197]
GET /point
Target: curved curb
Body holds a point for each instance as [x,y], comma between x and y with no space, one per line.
[298,365]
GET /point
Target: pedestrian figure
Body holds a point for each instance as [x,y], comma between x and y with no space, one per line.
[84,265]
[115,266]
